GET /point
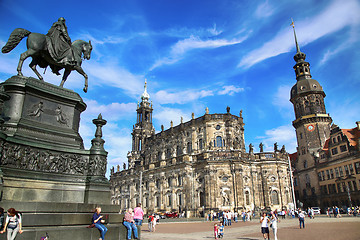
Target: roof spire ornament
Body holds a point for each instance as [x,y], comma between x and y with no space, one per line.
[299,56]
[145,96]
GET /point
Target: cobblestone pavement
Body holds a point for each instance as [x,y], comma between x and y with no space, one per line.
[346,228]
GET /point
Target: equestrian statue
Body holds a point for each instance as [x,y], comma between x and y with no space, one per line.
[54,49]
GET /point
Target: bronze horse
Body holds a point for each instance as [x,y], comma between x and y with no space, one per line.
[37,49]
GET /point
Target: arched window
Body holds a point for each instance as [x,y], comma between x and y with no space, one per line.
[274,197]
[189,148]
[247,198]
[219,142]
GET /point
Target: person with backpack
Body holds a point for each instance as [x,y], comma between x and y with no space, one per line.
[150,222]
[12,224]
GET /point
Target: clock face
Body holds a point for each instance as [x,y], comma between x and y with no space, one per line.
[217,127]
[310,128]
[272,179]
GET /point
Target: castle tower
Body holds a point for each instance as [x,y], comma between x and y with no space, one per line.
[312,125]
[143,127]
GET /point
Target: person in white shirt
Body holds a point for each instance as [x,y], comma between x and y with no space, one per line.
[301,219]
[273,224]
[264,220]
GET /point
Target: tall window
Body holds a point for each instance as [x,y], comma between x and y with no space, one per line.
[178,150]
[351,169]
[169,182]
[202,199]
[346,170]
[274,197]
[169,200]
[158,201]
[247,198]
[180,200]
[158,183]
[341,171]
[189,147]
[357,167]
[331,174]
[200,143]
[180,180]
[219,142]
[337,172]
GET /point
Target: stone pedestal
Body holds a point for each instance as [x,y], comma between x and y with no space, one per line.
[45,171]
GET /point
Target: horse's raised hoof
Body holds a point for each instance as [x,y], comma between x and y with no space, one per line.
[20,74]
[85,89]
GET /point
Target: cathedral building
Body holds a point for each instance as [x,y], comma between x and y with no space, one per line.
[199,165]
[327,161]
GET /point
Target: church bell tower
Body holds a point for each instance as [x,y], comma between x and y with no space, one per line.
[142,129]
[312,125]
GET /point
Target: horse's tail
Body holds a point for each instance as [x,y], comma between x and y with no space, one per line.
[15,37]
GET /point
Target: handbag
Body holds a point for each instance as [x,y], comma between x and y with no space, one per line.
[91,225]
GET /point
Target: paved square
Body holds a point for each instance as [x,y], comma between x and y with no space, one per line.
[346,228]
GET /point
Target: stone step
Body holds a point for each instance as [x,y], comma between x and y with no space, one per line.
[80,232]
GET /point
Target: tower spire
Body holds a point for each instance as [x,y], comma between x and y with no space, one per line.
[296,42]
[145,96]
[299,56]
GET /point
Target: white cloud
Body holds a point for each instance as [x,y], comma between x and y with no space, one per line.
[230,90]
[181,97]
[354,36]
[283,135]
[178,50]
[164,115]
[111,112]
[308,30]
[112,75]
[264,10]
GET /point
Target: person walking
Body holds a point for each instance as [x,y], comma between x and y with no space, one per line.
[301,219]
[150,222]
[13,224]
[216,231]
[221,230]
[273,224]
[97,221]
[129,224]
[264,220]
[138,215]
[155,222]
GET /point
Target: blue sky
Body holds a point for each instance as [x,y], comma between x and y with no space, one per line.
[197,54]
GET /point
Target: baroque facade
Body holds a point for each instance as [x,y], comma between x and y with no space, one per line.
[327,161]
[199,165]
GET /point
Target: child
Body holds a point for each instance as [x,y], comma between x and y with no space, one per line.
[216,231]
[221,230]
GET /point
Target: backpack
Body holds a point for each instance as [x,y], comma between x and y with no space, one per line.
[14,221]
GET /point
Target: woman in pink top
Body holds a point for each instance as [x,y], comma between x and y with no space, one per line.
[138,215]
